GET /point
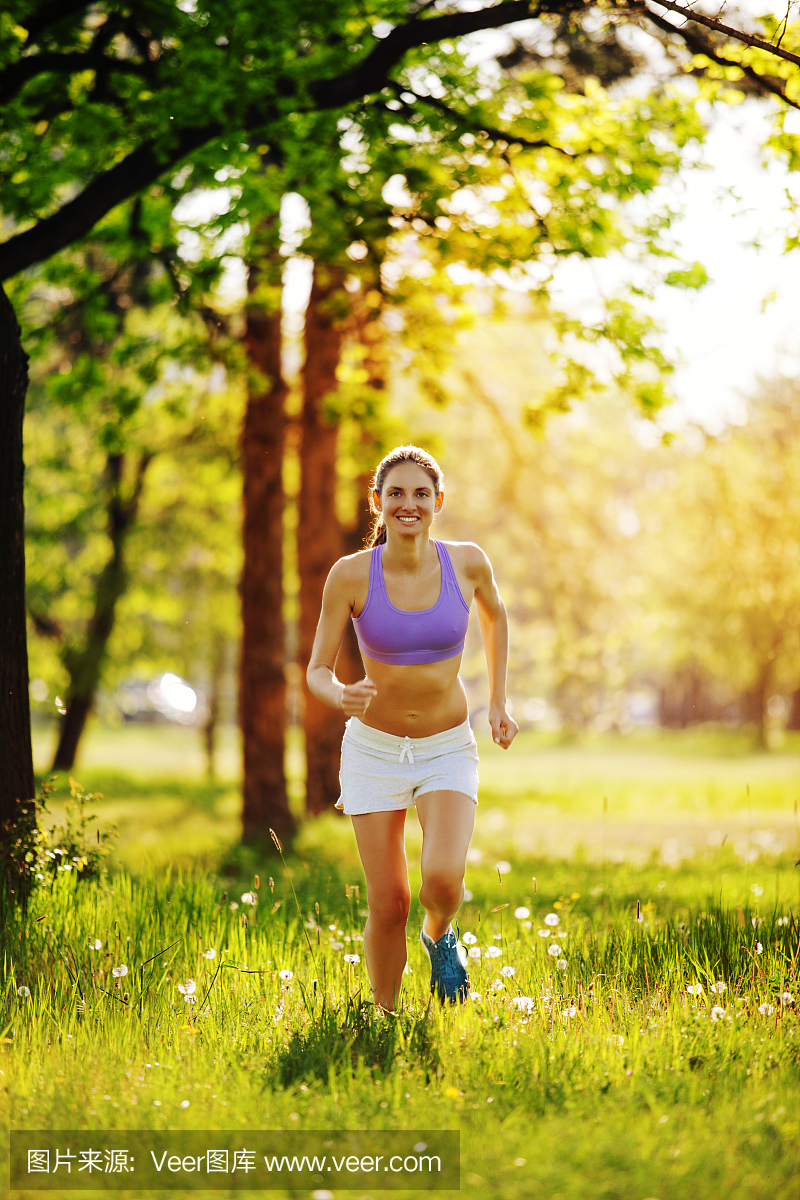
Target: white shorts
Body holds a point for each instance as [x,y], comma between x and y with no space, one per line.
[381,772]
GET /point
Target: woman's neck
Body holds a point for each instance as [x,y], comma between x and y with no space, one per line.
[408,553]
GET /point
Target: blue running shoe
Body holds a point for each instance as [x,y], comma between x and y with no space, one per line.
[449,978]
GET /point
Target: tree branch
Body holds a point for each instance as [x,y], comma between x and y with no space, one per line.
[501,135]
[75,219]
[49,14]
[21,72]
[371,74]
[699,44]
[738,34]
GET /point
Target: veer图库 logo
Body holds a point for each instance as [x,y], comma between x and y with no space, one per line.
[262,1159]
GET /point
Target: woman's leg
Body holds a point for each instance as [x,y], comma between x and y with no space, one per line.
[447,820]
[383,855]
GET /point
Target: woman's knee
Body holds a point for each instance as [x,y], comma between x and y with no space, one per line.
[442,887]
[390,908]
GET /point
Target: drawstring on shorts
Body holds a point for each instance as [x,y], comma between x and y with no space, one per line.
[407,749]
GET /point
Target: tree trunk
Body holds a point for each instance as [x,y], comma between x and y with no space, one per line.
[262,681]
[319,535]
[216,672]
[84,666]
[16,757]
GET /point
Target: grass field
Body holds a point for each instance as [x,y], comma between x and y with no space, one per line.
[589,1071]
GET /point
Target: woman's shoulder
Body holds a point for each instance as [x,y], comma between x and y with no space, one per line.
[466,556]
[353,568]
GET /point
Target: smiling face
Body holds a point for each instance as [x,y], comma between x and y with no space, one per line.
[408,500]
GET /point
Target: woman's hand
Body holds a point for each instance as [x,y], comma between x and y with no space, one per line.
[356,697]
[504,728]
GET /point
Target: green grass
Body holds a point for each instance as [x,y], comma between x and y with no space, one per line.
[637,1093]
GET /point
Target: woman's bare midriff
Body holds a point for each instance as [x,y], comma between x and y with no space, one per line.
[416,700]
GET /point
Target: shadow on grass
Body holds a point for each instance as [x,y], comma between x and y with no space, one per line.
[343,1037]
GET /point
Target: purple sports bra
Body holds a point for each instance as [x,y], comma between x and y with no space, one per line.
[402,637]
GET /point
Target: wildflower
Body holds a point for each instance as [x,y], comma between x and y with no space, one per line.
[717,1012]
[544,933]
[475,996]
[497,985]
[766,1010]
[210,953]
[522,912]
[782,921]
[552,919]
[569,1011]
[562,933]
[787,998]
[352,958]
[756,890]
[187,989]
[474,952]
[616,1039]
[694,989]
[337,945]
[469,939]
[249,898]
[503,868]
[234,906]
[119,972]
[523,1003]
[554,950]
[718,987]
[23,991]
[493,951]
[95,944]
[185,1103]
[285,974]
[506,971]
[759,948]
[562,964]
[190,999]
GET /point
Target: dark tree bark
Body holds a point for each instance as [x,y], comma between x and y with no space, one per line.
[16,756]
[262,681]
[319,535]
[85,665]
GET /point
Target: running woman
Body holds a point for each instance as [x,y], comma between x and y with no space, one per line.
[408,740]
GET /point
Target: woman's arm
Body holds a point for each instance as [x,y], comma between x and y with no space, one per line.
[337,607]
[493,620]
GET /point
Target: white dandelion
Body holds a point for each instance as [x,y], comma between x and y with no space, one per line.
[249,898]
[717,1012]
[352,958]
[469,939]
[523,1003]
[119,972]
[503,867]
[95,944]
[286,974]
[552,919]
[694,989]
[787,998]
[554,950]
[562,964]
[493,952]
[475,996]
[766,1010]
[570,1011]
[23,991]
[719,987]
[544,933]
[759,948]
[187,989]
[210,953]
[507,971]
[474,952]
[522,912]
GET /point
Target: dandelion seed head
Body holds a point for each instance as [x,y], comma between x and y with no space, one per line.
[95,944]
[503,867]
[544,933]
[493,952]
[187,989]
[23,991]
[352,958]
[766,1010]
[554,950]
[523,1003]
[285,974]
[190,999]
[570,1011]
[694,989]
[759,948]
[119,972]
[522,912]
[562,964]
[475,996]
[210,953]
[507,971]
[616,1039]
[185,1103]
[234,906]
[719,987]
[469,939]
[474,952]
[249,898]
[756,890]
[552,919]
[717,1012]
[787,998]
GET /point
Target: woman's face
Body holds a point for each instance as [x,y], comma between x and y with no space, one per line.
[408,500]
